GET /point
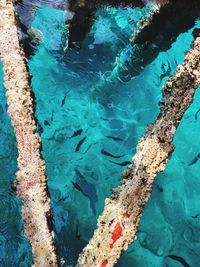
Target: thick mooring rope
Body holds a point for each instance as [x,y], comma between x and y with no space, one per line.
[31,180]
[118,224]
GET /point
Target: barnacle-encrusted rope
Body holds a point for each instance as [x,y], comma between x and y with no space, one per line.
[31,179]
[118,224]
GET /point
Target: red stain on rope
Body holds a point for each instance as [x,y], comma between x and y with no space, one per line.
[30,184]
[126,215]
[104,263]
[116,234]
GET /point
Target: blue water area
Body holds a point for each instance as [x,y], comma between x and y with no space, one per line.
[88,139]
[79,132]
[14,248]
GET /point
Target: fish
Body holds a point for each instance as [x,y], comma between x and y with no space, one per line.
[195,159]
[62,199]
[76,133]
[106,153]
[124,163]
[52,115]
[78,235]
[160,188]
[165,73]
[168,71]
[162,76]
[46,123]
[179,259]
[104,119]
[163,67]
[195,216]
[80,144]
[114,138]
[87,189]
[196,114]
[79,188]
[176,63]
[39,130]
[63,101]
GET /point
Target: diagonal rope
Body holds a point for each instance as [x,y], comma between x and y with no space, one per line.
[118,224]
[31,182]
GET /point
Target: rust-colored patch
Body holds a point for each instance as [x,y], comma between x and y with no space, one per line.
[104,263]
[30,184]
[116,234]
[126,215]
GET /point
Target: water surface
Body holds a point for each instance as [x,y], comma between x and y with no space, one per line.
[88,135]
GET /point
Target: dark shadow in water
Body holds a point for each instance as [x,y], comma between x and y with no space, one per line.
[72,241]
[82,18]
[173,19]
[177,17]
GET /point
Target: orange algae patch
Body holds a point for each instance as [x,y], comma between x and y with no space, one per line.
[104,263]
[116,234]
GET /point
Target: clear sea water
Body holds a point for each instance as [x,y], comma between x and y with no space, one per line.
[64,85]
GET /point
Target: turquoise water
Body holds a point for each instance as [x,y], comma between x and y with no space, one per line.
[78,130]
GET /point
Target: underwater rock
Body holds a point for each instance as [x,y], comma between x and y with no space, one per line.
[78,16]
[118,224]
[26,10]
[162,25]
[155,33]
[84,15]
[35,34]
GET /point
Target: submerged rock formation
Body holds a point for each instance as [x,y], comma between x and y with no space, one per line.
[165,22]
[118,224]
[31,180]
[155,33]
[79,17]
[84,13]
